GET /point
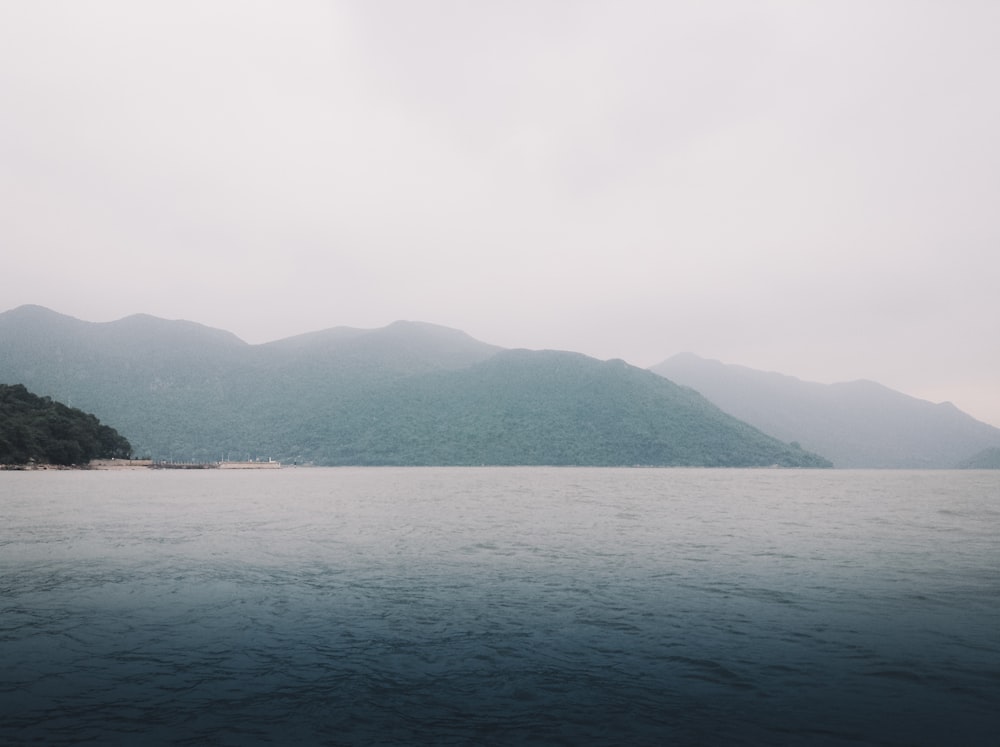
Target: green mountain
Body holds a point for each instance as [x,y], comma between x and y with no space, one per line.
[859,424]
[37,429]
[407,394]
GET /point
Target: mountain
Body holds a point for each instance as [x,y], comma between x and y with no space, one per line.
[552,407]
[410,393]
[857,424]
[37,429]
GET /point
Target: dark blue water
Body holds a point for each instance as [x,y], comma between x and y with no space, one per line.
[500,606]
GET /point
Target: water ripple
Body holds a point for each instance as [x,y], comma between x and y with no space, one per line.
[460,607]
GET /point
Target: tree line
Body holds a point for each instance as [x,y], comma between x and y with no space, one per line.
[39,429]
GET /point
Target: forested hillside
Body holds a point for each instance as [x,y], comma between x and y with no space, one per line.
[536,407]
[38,429]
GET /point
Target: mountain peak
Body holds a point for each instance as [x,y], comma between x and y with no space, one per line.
[34,313]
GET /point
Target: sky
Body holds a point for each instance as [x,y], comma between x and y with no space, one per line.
[804,187]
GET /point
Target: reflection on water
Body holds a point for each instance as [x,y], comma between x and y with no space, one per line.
[498,606]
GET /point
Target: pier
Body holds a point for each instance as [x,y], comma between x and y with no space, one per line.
[269,464]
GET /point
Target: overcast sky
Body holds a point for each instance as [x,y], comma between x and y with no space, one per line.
[804,187]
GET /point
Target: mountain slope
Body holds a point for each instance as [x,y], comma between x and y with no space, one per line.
[165,384]
[854,424]
[409,393]
[549,407]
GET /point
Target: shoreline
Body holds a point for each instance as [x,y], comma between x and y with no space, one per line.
[137,464]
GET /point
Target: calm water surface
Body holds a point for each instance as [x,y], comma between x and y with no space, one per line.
[500,606]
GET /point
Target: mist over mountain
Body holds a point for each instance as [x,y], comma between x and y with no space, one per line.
[410,393]
[854,424]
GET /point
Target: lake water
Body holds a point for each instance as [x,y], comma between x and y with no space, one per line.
[500,606]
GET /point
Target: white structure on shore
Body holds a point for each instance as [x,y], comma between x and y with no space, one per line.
[269,464]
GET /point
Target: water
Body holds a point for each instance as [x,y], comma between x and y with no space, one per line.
[500,606]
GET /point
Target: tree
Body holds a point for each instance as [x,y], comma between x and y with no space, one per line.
[34,428]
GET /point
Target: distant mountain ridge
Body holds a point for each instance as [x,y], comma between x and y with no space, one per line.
[410,393]
[858,424]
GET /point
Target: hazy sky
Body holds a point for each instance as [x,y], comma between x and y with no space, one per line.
[806,187]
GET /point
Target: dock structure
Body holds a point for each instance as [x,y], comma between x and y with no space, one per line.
[119,463]
[269,464]
[183,465]
[224,464]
